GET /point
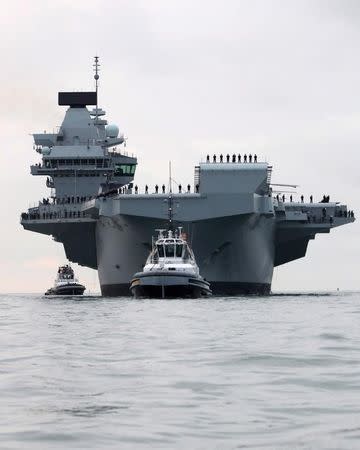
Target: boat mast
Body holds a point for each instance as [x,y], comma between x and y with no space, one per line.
[170,211]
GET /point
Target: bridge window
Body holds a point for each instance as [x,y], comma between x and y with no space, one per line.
[160,249]
[169,250]
[124,169]
[179,250]
[186,253]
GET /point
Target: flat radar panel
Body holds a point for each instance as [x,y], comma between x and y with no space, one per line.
[77,99]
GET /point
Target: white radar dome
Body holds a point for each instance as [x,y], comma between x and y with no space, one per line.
[46,150]
[112,131]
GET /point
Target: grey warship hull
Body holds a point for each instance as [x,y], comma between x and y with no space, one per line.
[244,267]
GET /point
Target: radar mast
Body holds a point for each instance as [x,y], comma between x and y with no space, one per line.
[96,77]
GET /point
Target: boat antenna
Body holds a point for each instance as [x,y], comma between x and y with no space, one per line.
[170,211]
[96,77]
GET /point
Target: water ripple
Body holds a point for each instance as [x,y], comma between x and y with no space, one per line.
[278,372]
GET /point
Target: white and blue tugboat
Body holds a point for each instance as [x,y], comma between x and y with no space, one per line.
[170,270]
[66,283]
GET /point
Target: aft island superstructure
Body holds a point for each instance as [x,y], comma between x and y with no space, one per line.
[239,230]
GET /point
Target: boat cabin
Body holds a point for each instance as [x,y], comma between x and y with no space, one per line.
[171,248]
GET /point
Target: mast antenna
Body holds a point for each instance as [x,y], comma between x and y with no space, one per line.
[170,211]
[170,179]
[96,77]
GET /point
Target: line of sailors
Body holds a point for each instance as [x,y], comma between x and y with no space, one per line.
[66,200]
[163,189]
[233,158]
[62,214]
[283,198]
[345,214]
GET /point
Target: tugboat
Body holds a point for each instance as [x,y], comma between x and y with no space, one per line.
[170,270]
[66,283]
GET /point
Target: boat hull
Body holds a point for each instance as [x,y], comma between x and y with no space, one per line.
[68,289]
[158,284]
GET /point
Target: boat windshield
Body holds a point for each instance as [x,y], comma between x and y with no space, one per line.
[160,250]
[187,254]
[65,273]
[170,249]
[179,250]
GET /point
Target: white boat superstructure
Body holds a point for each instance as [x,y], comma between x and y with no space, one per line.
[170,269]
[66,283]
[171,252]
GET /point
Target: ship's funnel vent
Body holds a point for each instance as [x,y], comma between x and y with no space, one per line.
[77,99]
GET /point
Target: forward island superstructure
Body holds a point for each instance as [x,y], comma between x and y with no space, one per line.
[238,229]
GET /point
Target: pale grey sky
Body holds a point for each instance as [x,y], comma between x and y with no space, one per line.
[183,79]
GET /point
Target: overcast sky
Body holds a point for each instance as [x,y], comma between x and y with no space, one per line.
[183,79]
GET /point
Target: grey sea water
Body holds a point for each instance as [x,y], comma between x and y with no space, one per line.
[281,372]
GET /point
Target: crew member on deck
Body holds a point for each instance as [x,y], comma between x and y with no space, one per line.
[214,158]
[163,188]
[239,158]
[228,158]
[221,158]
[156,188]
[208,158]
[245,158]
[233,158]
[250,158]
[146,189]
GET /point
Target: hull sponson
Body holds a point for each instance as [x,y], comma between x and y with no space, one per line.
[234,253]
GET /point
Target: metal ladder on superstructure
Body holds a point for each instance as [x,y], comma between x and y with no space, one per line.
[196,177]
[268,179]
[269,172]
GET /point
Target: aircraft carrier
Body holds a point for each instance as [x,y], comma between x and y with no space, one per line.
[238,226]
